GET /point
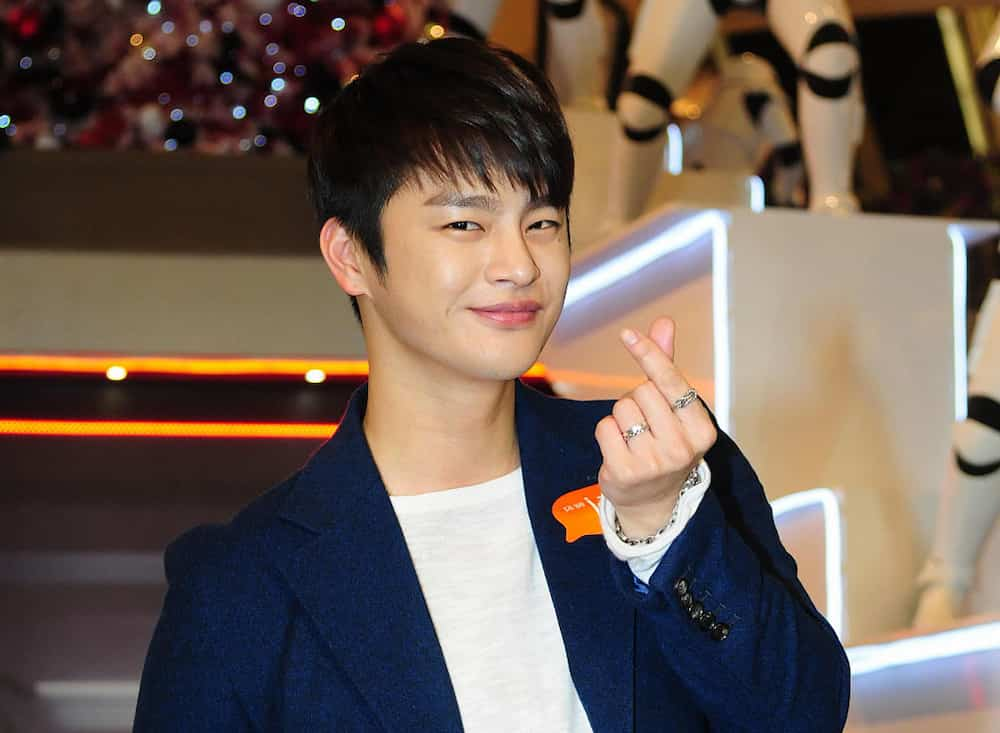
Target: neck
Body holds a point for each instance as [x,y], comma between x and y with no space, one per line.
[431,436]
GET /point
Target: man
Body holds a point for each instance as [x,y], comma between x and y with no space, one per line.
[416,574]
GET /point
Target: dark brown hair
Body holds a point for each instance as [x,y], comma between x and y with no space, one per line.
[452,108]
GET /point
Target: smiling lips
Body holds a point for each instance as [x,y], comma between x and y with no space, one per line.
[512,313]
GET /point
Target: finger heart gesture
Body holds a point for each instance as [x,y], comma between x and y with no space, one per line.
[655,436]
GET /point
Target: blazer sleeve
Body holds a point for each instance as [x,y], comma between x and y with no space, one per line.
[185,683]
[732,618]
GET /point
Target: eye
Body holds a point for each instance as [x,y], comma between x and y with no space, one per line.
[555,224]
[458,226]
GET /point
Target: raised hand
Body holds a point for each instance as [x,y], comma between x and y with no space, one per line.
[642,474]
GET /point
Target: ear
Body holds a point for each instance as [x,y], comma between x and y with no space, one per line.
[342,254]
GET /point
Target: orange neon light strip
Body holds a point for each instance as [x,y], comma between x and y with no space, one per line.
[217,366]
[150,429]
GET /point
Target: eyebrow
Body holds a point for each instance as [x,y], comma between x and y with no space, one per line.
[480,201]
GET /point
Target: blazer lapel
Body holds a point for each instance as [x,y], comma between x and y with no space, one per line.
[357,581]
[560,455]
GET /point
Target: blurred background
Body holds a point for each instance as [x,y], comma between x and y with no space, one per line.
[811,189]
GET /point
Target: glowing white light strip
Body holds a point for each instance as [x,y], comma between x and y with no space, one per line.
[720,322]
[952,643]
[675,150]
[757,196]
[682,234]
[686,232]
[833,542]
[875,657]
[90,705]
[120,568]
[959,251]
[89,689]
[864,660]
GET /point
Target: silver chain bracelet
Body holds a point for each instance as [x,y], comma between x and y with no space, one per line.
[690,481]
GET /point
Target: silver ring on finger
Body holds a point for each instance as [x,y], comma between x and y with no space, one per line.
[634,430]
[686,399]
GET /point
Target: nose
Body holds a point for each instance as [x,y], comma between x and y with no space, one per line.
[511,259]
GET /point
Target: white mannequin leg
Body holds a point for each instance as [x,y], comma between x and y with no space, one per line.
[745,123]
[631,176]
[577,42]
[577,51]
[668,44]
[970,499]
[778,129]
[830,124]
[670,39]
[479,13]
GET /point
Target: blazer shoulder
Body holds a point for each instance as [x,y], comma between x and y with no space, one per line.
[222,625]
[230,544]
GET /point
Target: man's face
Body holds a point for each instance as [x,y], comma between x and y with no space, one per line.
[454,250]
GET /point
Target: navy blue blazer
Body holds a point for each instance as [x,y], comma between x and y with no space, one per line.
[304,613]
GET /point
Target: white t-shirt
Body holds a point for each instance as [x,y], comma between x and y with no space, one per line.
[482,578]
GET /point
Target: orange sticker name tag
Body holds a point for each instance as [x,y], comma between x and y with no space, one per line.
[577,512]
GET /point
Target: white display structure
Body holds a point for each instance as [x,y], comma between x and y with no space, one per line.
[833,349]
[592,127]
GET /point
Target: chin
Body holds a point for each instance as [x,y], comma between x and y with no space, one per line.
[503,358]
[504,368]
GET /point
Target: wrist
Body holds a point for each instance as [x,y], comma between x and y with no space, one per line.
[643,521]
[643,525]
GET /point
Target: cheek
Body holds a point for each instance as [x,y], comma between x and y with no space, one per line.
[557,266]
[450,274]
[429,286]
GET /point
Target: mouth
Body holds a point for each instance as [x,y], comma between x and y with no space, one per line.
[510,313]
